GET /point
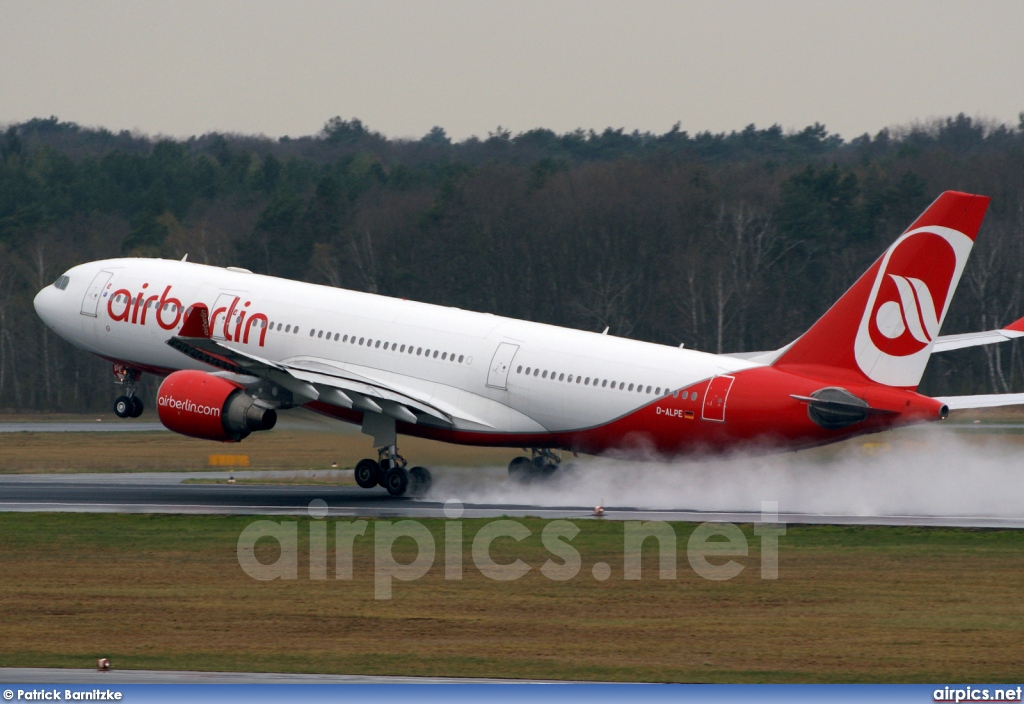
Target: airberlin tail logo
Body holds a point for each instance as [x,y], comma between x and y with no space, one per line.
[913,314]
[908,301]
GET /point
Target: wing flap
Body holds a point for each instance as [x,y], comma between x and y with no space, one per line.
[380,390]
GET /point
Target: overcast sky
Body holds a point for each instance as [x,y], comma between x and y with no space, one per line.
[189,67]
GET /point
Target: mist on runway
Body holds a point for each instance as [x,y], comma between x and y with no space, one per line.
[924,473]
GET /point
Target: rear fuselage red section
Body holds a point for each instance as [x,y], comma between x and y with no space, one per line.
[753,407]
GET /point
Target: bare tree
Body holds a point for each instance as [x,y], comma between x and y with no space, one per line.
[605,302]
[986,280]
[7,348]
[751,242]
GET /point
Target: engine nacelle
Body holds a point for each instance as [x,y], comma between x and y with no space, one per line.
[205,406]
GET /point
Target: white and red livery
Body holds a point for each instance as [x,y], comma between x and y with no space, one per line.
[237,347]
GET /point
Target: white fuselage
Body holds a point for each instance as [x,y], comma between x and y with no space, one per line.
[505,376]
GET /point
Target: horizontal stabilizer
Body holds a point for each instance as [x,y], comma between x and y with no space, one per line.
[946,343]
[943,343]
[829,405]
[957,403]
[834,408]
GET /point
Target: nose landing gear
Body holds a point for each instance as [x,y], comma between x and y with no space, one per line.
[129,405]
[389,471]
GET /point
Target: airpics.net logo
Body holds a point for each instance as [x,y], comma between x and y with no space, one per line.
[188,406]
[977,694]
[712,549]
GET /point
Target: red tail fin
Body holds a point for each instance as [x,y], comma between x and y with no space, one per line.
[884,327]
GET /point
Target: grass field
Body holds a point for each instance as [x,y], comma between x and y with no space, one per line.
[856,604]
[165,451]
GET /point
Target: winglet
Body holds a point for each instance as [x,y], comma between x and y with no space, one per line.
[197,322]
[1016,326]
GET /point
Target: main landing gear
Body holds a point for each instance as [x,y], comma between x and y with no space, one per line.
[129,405]
[389,471]
[540,466]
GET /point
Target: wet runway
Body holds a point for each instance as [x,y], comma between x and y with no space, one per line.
[158,492]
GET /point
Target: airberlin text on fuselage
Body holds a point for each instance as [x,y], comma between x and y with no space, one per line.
[167,311]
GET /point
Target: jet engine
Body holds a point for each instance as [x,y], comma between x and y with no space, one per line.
[205,406]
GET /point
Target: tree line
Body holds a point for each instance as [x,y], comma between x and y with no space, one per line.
[723,242]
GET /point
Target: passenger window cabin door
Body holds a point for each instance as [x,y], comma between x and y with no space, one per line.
[501,363]
[94,294]
[224,315]
[715,398]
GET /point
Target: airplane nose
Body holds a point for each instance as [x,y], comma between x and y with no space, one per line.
[44,304]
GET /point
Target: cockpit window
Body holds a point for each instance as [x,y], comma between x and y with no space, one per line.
[61,282]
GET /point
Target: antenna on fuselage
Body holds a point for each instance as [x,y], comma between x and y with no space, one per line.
[185,258]
[606,329]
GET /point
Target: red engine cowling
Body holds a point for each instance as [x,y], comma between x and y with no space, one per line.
[201,405]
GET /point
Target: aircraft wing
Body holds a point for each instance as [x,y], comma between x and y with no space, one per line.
[764,356]
[943,343]
[308,379]
[376,387]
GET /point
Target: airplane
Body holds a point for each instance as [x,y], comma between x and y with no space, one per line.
[236,347]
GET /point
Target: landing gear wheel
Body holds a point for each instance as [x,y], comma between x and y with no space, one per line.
[123,407]
[367,474]
[396,481]
[129,404]
[543,465]
[543,468]
[420,481]
[520,470]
